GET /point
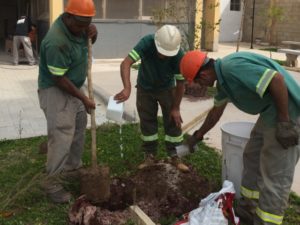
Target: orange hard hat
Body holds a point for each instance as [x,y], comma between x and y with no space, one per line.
[84,8]
[190,64]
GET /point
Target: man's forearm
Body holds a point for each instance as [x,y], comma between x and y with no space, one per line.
[125,72]
[94,38]
[65,84]
[210,121]
[279,93]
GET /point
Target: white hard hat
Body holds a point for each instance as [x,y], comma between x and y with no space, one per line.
[167,40]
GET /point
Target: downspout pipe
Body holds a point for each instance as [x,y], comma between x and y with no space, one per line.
[252,29]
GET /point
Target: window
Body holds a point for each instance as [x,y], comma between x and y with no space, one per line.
[150,5]
[235,5]
[99,9]
[129,9]
[122,9]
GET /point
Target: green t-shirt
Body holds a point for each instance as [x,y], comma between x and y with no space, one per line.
[243,78]
[62,54]
[155,74]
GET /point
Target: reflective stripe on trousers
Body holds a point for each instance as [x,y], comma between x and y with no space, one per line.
[268,173]
[147,103]
[269,217]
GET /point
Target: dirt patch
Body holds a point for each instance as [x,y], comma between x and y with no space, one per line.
[161,191]
[84,213]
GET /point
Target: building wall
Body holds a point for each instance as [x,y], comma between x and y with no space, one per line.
[288,29]
[230,22]
[117,38]
[259,20]
[121,28]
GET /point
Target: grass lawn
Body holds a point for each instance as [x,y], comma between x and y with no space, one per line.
[21,170]
[270,49]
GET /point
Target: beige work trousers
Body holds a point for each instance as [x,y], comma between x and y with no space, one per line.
[268,171]
[25,41]
[66,123]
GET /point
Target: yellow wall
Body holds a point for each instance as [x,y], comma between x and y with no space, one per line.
[211,18]
[198,20]
[56,8]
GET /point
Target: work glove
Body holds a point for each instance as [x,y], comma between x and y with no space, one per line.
[286,134]
[192,141]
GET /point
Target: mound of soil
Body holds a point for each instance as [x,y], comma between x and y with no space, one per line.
[162,191]
[159,190]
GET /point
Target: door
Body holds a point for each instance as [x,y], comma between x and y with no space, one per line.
[231,15]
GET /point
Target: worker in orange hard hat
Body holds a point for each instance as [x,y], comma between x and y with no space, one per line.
[62,72]
[191,64]
[81,8]
[256,85]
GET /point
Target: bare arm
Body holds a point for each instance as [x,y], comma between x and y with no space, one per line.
[179,91]
[279,93]
[286,132]
[65,84]
[210,121]
[175,112]
[125,75]
[92,32]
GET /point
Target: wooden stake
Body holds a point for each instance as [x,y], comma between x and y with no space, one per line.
[190,125]
[140,217]
[91,96]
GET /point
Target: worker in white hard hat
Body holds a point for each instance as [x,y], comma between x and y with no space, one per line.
[159,83]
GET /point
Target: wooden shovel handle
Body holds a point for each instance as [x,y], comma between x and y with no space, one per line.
[91,96]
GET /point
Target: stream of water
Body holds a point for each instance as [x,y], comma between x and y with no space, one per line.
[121,141]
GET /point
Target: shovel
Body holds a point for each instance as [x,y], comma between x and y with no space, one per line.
[94,181]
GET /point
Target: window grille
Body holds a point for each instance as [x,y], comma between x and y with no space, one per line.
[235,5]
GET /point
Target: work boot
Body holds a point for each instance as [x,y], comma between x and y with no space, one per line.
[149,161]
[176,161]
[56,192]
[245,210]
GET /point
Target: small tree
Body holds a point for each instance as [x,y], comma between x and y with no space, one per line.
[275,15]
[272,16]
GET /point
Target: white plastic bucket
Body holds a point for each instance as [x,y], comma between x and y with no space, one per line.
[235,136]
[114,110]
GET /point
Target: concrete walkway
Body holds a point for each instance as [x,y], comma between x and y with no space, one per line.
[20,115]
